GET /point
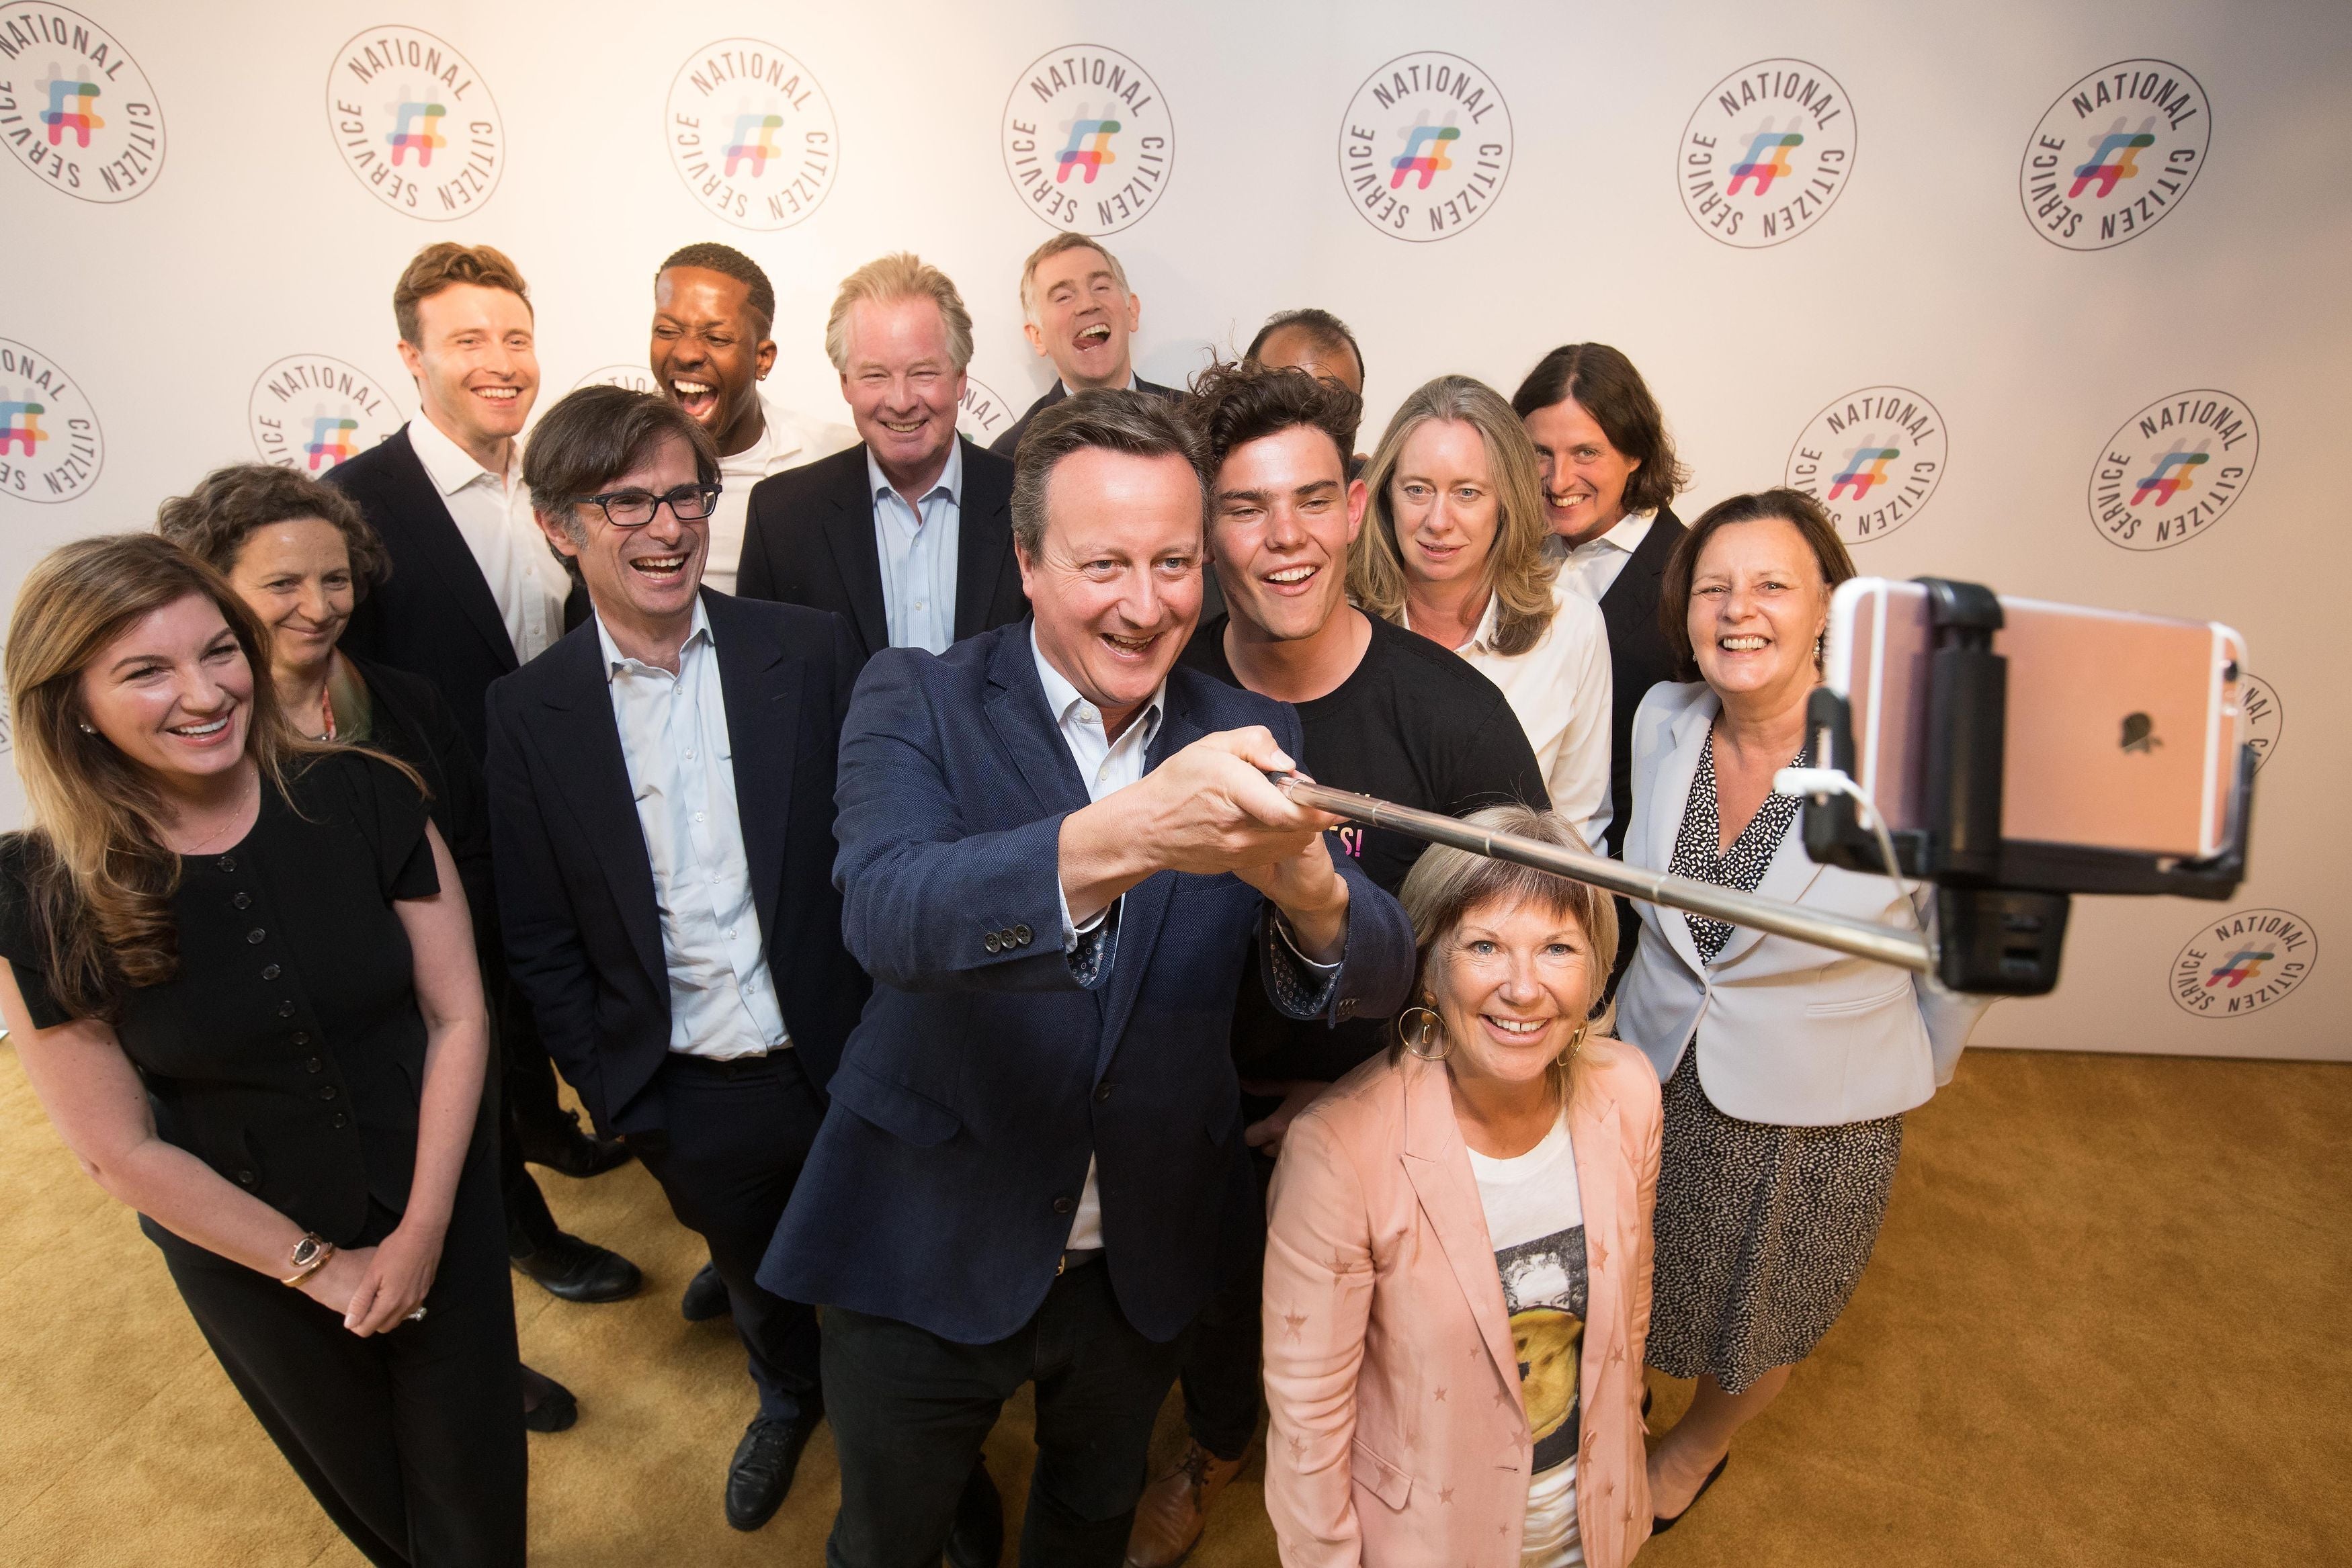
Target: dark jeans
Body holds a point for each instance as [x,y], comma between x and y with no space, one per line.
[909,1410]
[1222,1354]
[736,1136]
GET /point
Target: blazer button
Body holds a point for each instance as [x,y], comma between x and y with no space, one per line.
[1102,1092]
[315,1064]
[1066,1206]
[992,942]
[285,1009]
[245,1179]
[326,1092]
[271,972]
[242,900]
[228,863]
[256,934]
[341,1120]
[1020,933]
[301,1037]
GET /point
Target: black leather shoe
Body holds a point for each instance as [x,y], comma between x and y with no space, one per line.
[762,1472]
[977,1538]
[706,1296]
[581,1270]
[546,1405]
[1659,1526]
[574,1152]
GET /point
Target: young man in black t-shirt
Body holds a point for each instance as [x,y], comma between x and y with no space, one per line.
[1385,712]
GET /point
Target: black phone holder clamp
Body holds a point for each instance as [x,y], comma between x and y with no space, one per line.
[2001,902]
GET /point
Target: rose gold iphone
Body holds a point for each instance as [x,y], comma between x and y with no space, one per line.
[2123,730]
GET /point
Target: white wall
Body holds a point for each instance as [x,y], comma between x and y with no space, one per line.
[253,242]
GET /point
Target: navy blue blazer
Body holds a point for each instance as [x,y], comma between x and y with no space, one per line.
[942,1184]
[576,883]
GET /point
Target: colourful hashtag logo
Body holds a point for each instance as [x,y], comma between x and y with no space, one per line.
[2171,477]
[20,426]
[2122,148]
[2242,965]
[1767,161]
[754,141]
[1413,161]
[331,441]
[77,118]
[426,117]
[1864,469]
[1089,148]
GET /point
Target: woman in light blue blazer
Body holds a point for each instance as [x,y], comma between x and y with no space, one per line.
[1786,1067]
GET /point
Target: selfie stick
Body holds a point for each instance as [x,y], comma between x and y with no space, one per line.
[1904,949]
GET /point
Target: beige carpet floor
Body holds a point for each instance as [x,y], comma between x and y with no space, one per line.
[2107,1323]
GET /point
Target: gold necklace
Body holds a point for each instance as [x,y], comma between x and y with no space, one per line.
[235,811]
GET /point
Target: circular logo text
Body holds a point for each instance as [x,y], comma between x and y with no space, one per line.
[2114,155]
[751,133]
[2242,963]
[310,411]
[982,416]
[75,108]
[1872,459]
[50,445]
[2173,470]
[1089,140]
[1425,146]
[636,378]
[1767,151]
[2266,723]
[415,124]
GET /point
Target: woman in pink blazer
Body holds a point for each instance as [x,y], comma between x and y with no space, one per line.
[1457,1277]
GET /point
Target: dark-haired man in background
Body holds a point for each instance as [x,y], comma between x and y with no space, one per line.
[714,311]
[1318,342]
[1383,712]
[661,805]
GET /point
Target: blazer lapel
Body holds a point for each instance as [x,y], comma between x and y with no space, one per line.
[1672,793]
[1145,908]
[584,738]
[1437,1164]
[848,530]
[1016,710]
[444,551]
[983,543]
[763,701]
[1787,879]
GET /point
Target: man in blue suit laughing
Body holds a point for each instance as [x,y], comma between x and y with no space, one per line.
[1058,853]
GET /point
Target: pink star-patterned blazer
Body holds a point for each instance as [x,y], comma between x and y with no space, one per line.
[1399,1440]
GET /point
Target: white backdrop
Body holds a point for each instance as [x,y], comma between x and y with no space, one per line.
[171,295]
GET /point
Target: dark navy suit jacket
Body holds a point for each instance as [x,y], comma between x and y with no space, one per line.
[941,1187]
[575,883]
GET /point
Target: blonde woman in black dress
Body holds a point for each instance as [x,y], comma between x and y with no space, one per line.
[240,977]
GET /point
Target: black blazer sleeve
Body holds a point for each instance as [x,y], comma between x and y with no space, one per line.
[755,578]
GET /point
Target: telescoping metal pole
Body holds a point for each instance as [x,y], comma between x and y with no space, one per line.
[1904,949]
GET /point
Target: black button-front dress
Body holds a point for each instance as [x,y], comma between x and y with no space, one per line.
[287,1053]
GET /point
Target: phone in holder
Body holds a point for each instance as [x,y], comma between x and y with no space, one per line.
[2121,731]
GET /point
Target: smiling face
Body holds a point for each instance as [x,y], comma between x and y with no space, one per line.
[1285,514]
[296,576]
[1442,498]
[1759,600]
[1583,475]
[477,369]
[1084,317]
[644,578]
[173,694]
[710,350]
[1116,585]
[902,386]
[1511,982]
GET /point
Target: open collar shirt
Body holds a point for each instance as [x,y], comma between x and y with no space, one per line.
[492,512]
[917,545]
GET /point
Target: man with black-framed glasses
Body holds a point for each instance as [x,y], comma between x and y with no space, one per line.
[661,803]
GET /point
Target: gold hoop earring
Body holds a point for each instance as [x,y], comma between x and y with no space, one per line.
[1575,1044]
[1417,1038]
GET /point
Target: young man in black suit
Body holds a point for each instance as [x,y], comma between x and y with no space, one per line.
[1078,312]
[661,806]
[909,535]
[472,594]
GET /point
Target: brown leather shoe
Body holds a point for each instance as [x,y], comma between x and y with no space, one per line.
[1174,1509]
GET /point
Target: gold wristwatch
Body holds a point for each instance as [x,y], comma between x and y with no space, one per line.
[309,1256]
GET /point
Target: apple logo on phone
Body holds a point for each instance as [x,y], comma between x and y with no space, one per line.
[2140,733]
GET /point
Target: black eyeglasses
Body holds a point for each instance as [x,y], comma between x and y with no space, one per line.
[635,508]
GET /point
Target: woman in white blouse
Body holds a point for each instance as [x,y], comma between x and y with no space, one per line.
[1453,547]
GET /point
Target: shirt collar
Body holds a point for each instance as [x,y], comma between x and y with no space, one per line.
[450,465]
[1626,534]
[1061,697]
[1134,383]
[616,660]
[950,477]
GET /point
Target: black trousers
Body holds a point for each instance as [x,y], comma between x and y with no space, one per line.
[411,1440]
[737,1135]
[910,1411]
[1222,1355]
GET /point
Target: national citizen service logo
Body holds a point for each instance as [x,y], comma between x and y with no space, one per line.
[2266,723]
[2173,470]
[1089,140]
[415,124]
[2114,155]
[310,411]
[2242,963]
[1872,459]
[982,415]
[751,133]
[1425,146]
[50,446]
[75,108]
[1766,153]
[638,377]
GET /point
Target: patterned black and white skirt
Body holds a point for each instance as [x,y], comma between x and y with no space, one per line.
[1762,1232]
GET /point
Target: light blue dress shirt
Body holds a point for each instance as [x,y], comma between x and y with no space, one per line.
[917,545]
